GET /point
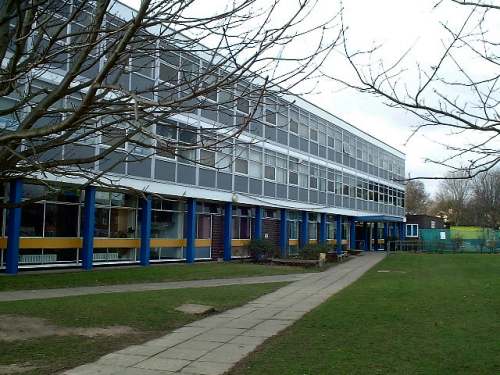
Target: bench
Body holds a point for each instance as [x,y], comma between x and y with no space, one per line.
[103,257]
[37,258]
[295,262]
[355,252]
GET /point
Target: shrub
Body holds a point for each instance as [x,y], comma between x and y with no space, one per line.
[262,249]
[312,251]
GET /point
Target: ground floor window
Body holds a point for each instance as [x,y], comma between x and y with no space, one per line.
[411,230]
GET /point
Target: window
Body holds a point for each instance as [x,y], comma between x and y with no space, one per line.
[207,158]
[412,230]
[269,169]
[294,127]
[255,162]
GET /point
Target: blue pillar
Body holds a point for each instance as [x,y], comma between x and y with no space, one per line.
[257,228]
[386,234]
[283,233]
[304,229]
[13,227]
[402,231]
[394,234]
[145,230]
[338,233]
[322,229]
[353,234]
[375,236]
[366,233]
[190,229]
[88,228]
[228,230]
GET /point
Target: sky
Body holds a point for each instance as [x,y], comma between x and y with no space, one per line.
[395,25]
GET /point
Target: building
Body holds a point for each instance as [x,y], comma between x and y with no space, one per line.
[416,222]
[308,176]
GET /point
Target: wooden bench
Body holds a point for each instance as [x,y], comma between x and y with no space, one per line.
[295,262]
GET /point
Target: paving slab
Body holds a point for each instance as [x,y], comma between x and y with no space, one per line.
[211,346]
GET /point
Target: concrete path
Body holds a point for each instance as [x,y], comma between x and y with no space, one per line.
[140,287]
[213,345]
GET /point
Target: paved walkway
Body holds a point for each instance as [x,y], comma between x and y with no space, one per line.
[211,346]
[140,287]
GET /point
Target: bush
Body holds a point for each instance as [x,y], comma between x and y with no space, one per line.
[312,251]
[262,249]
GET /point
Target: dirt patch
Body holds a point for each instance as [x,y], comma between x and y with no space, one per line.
[15,369]
[14,327]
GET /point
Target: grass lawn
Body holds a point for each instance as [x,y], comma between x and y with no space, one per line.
[129,275]
[150,314]
[432,314]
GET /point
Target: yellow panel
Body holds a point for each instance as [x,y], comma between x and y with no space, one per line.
[202,242]
[293,242]
[344,242]
[3,242]
[50,243]
[239,242]
[167,242]
[333,242]
[128,243]
[381,240]
[313,241]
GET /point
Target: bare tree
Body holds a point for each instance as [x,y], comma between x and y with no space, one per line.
[86,81]
[453,198]
[417,199]
[485,201]
[459,92]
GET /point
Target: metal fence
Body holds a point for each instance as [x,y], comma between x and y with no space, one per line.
[455,239]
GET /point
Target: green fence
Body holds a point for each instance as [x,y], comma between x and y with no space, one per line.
[455,239]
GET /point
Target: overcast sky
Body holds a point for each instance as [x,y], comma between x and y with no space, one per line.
[397,25]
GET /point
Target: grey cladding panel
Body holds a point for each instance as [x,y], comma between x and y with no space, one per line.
[269,189]
[255,186]
[139,168]
[303,195]
[114,162]
[293,193]
[206,177]
[186,174]
[164,170]
[281,191]
[224,181]
[241,184]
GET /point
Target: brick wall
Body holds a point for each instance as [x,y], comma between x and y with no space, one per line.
[217,237]
[272,228]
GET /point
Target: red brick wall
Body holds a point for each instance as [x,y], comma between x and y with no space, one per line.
[217,237]
[272,228]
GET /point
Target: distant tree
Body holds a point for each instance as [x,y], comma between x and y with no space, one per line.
[485,201]
[453,197]
[417,199]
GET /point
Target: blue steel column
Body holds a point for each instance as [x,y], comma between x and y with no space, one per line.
[228,230]
[322,229]
[375,236]
[366,234]
[257,228]
[402,231]
[145,230]
[338,233]
[395,231]
[283,233]
[88,228]
[304,229]
[190,230]
[13,227]
[353,234]
[386,234]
